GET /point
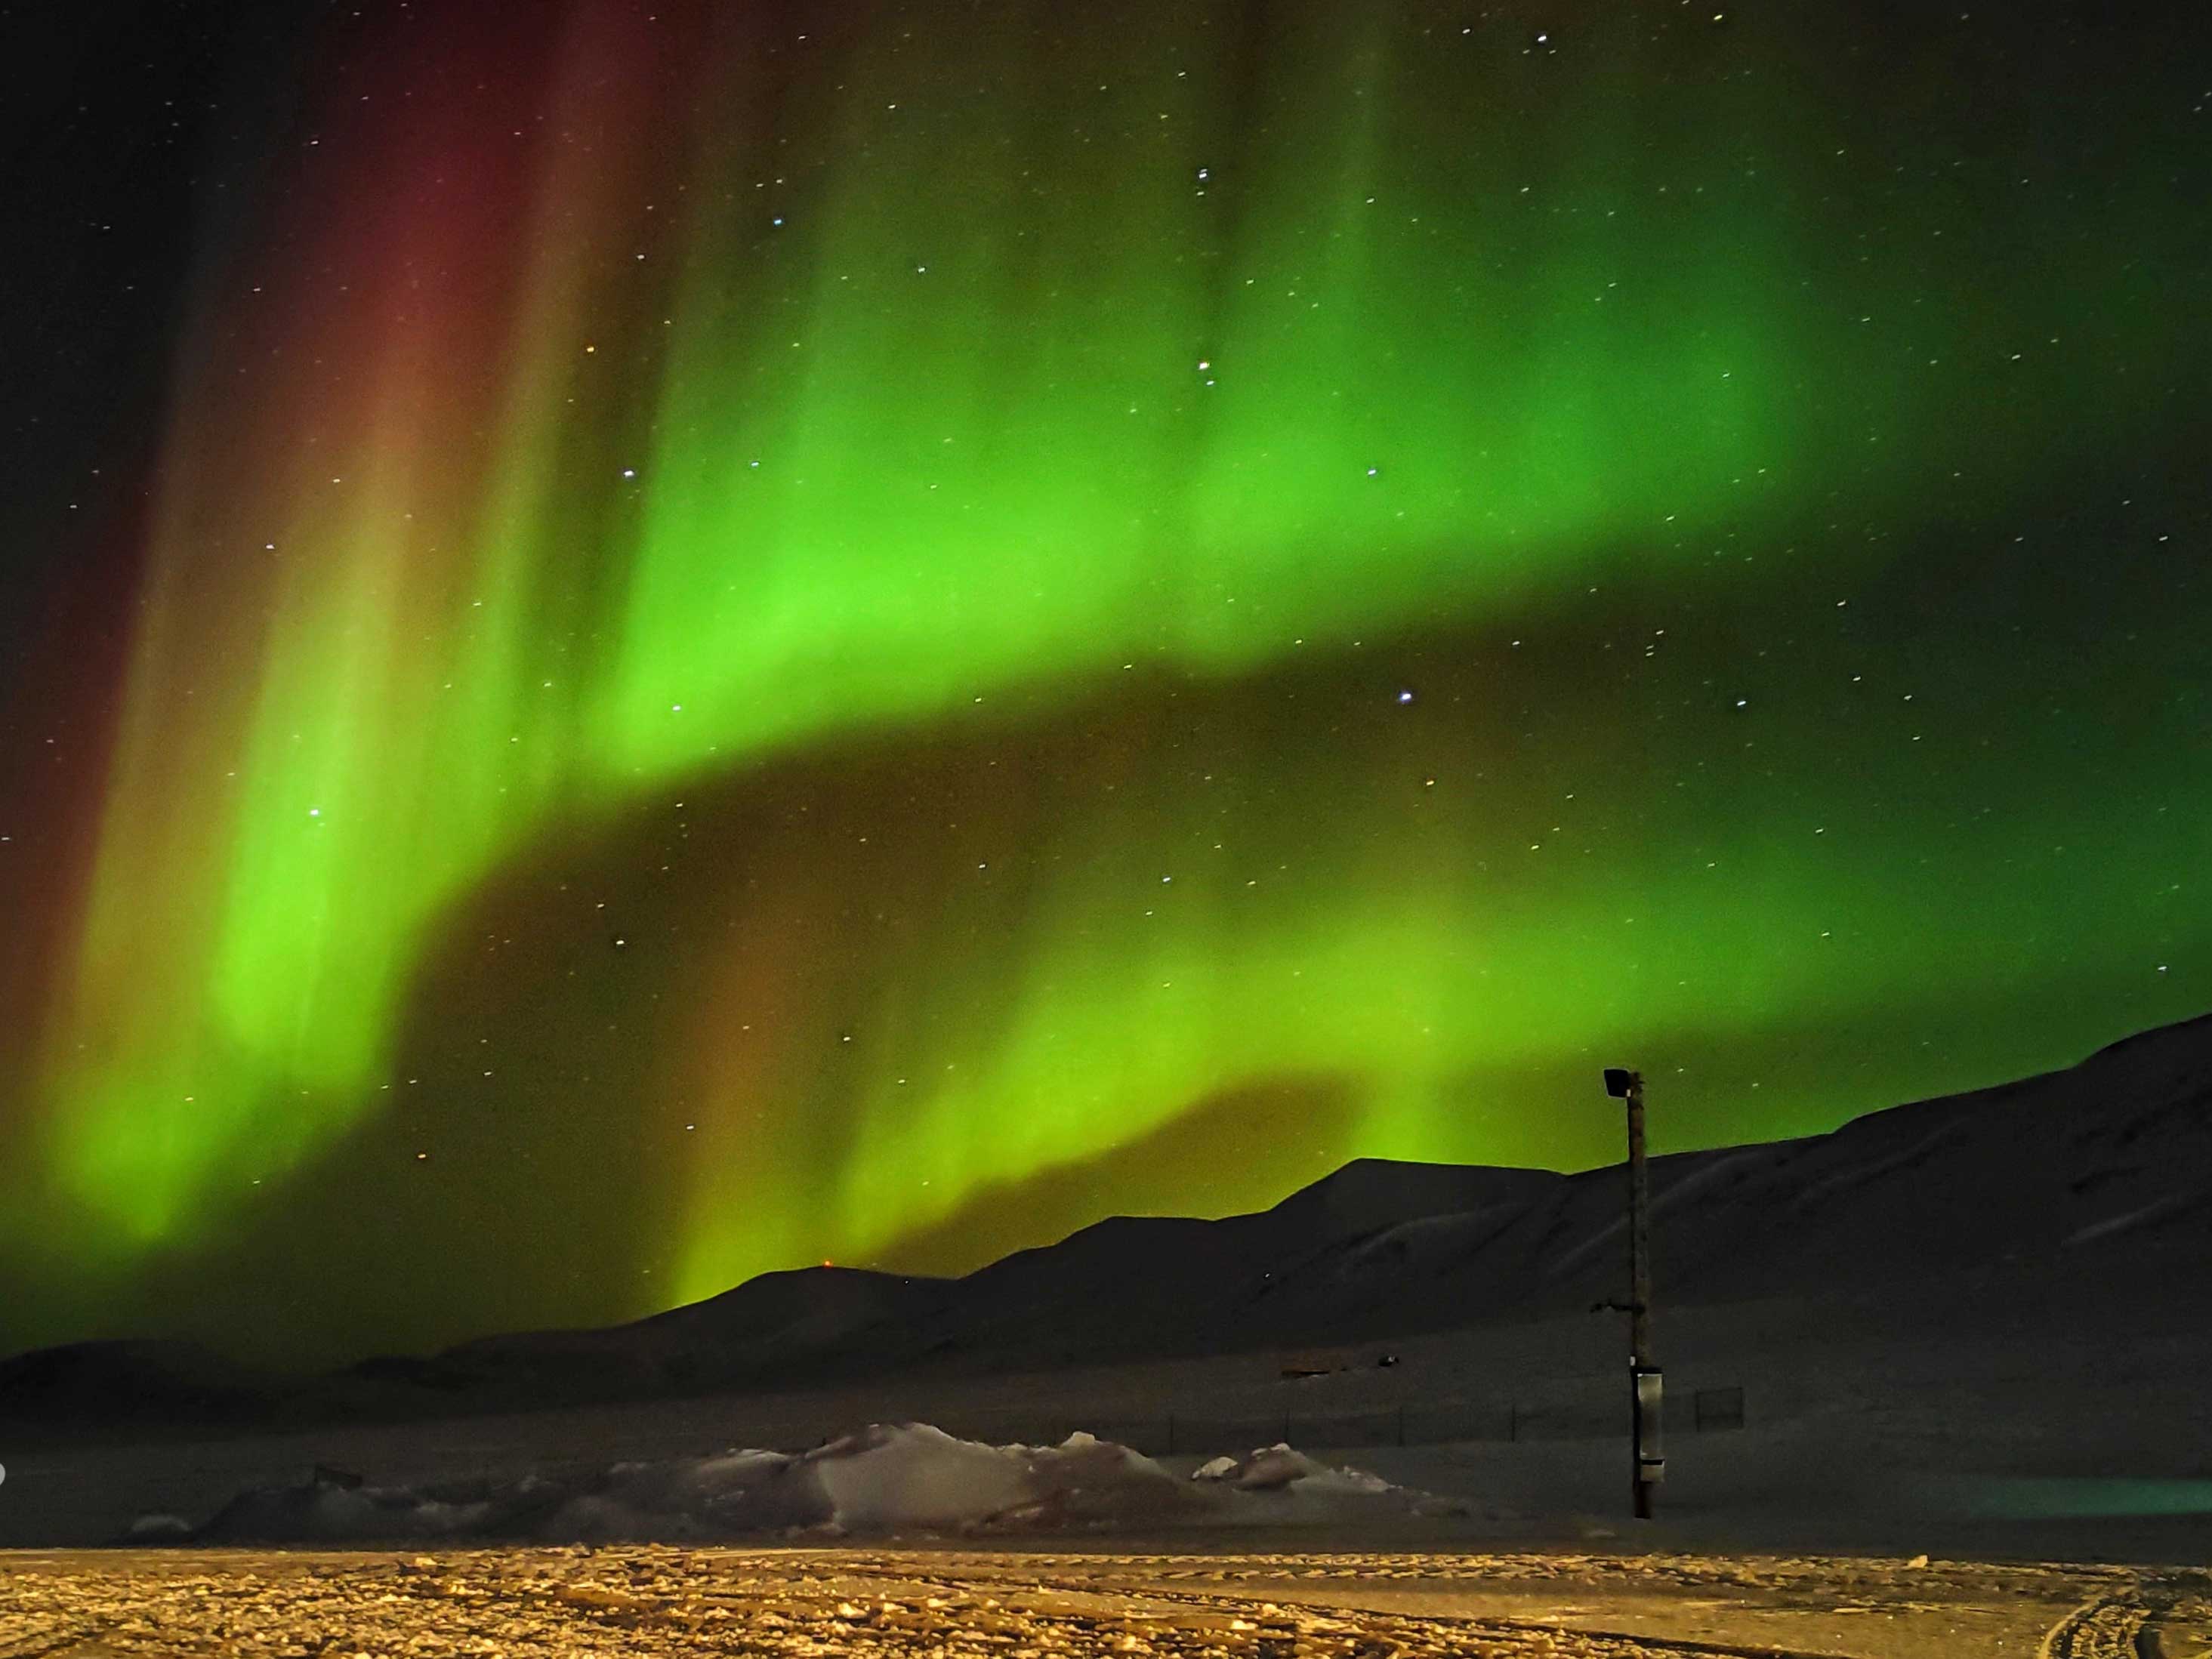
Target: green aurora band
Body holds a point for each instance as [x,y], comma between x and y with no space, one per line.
[1310,574]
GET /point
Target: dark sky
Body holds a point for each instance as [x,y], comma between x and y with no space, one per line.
[648,643]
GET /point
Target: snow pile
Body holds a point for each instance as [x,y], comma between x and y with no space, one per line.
[1278,1468]
[1279,1484]
[883,1479]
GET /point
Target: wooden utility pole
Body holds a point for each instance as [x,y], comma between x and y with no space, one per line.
[1647,1462]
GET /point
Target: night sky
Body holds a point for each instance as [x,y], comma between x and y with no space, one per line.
[645,641]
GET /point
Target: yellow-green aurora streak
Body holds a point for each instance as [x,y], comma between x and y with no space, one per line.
[1329,534]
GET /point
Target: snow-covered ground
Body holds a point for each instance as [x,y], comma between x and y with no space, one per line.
[885,1478]
[1982,1426]
[874,1602]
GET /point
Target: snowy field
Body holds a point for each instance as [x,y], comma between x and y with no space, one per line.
[652,1602]
[1893,1500]
[883,1479]
[1903,1475]
[1975,1423]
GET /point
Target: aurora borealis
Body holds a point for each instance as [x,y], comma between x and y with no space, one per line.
[733,636]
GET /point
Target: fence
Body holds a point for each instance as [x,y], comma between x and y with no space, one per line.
[1583,1416]
[1716,1409]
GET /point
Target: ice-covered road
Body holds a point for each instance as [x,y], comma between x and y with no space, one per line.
[648,1601]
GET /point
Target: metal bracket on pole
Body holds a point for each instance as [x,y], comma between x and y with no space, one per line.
[1646,1385]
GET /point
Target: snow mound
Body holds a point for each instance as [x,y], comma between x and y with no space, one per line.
[1314,1491]
[1278,1467]
[886,1478]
